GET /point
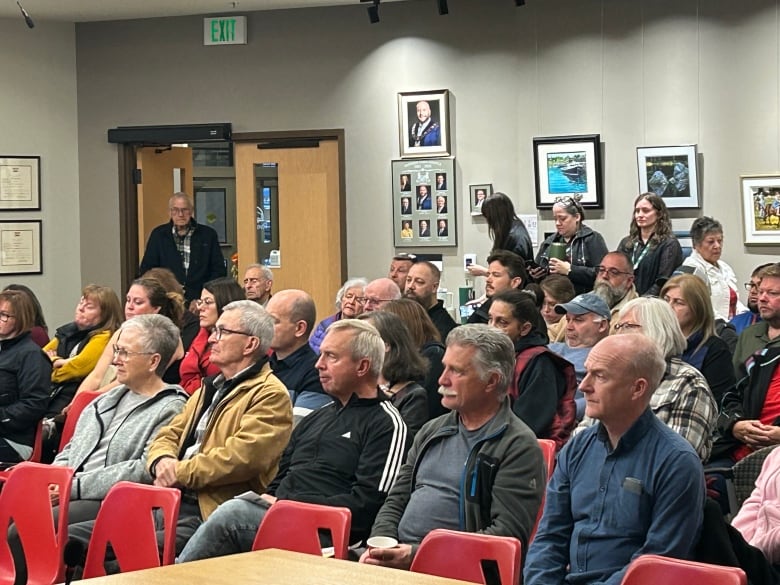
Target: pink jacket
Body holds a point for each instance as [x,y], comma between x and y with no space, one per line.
[759,518]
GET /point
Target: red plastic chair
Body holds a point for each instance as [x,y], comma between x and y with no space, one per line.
[126,521]
[25,501]
[77,406]
[459,555]
[654,569]
[294,526]
[548,454]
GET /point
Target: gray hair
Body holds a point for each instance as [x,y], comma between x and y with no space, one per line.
[267,272]
[494,354]
[254,319]
[659,323]
[181,196]
[158,335]
[366,343]
[702,226]
[351,283]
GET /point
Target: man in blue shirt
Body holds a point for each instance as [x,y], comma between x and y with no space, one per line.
[625,487]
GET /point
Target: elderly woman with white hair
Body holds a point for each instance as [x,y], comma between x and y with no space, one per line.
[350,302]
[683,400]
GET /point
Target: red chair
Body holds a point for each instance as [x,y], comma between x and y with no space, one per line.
[548,454]
[77,406]
[25,501]
[654,569]
[294,526]
[126,521]
[459,555]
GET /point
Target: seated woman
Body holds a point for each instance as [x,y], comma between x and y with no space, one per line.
[77,346]
[196,364]
[25,377]
[402,366]
[557,290]
[690,300]
[113,433]
[350,302]
[40,331]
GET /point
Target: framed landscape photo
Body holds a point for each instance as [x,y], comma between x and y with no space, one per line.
[20,247]
[424,208]
[565,165]
[423,123]
[761,208]
[477,195]
[20,183]
[670,172]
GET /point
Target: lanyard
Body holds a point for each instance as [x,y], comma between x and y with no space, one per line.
[636,260]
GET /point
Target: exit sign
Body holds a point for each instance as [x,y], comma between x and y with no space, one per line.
[224,30]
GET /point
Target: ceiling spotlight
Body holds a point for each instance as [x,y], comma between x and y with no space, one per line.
[519,2]
[443,9]
[373,12]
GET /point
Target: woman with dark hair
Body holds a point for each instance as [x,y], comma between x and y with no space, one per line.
[40,331]
[196,364]
[25,377]
[403,365]
[427,339]
[650,244]
[584,247]
[557,290]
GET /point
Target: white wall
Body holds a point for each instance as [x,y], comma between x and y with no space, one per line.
[38,117]
[652,72]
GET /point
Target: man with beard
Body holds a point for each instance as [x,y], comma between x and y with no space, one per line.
[615,283]
[750,317]
[422,282]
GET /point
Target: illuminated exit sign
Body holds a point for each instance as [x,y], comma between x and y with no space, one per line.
[224,30]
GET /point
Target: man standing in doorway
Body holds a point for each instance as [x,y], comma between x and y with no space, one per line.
[188,249]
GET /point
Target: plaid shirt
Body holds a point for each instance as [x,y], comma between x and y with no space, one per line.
[683,401]
[183,245]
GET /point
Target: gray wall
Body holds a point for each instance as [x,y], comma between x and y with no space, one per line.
[653,72]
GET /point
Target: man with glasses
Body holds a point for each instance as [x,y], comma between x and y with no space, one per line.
[188,249]
[765,334]
[258,281]
[751,316]
[615,283]
[379,292]
[232,432]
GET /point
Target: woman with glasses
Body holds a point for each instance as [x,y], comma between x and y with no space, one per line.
[40,331]
[690,300]
[196,364]
[584,247]
[350,302]
[651,245]
[25,377]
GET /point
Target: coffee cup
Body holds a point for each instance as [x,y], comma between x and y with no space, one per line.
[557,250]
[381,542]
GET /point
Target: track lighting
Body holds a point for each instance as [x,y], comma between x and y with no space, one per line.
[443,8]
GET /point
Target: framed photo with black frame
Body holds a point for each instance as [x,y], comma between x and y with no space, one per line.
[20,183]
[423,123]
[424,205]
[565,165]
[671,172]
[20,247]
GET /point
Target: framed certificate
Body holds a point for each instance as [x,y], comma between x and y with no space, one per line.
[20,247]
[20,183]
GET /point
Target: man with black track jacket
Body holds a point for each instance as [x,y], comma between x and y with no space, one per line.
[345,454]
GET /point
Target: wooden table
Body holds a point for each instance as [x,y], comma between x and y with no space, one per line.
[272,567]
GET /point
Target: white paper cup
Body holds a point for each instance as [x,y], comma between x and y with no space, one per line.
[381,542]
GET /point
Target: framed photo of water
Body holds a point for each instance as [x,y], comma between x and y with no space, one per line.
[565,165]
[669,172]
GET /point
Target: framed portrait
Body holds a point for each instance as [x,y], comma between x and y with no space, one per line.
[210,210]
[20,247]
[423,123]
[670,172]
[20,183]
[565,165]
[477,195]
[424,209]
[761,208]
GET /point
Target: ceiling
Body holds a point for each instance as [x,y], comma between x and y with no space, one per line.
[93,10]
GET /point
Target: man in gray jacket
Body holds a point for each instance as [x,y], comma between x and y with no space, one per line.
[476,469]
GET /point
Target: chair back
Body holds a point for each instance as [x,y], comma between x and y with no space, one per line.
[295,526]
[25,501]
[548,448]
[654,569]
[460,555]
[77,406]
[126,521]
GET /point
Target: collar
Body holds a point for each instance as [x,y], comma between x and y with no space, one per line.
[632,437]
[6,344]
[292,360]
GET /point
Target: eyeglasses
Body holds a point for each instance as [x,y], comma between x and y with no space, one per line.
[566,200]
[373,301]
[627,325]
[749,286]
[181,210]
[354,297]
[220,331]
[207,302]
[5,316]
[123,354]
[610,271]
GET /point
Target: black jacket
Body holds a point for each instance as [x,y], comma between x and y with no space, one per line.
[206,261]
[587,249]
[442,320]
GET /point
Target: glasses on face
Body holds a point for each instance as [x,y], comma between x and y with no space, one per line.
[181,210]
[204,302]
[5,316]
[627,325]
[373,301]
[123,354]
[219,332]
[603,270]
[750,286]
[353,297]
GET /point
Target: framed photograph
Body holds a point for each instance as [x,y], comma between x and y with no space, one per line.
[20,183]
[423,123]
[565,165]
[20,247]
[210,210]
[478,194]
[761,208]
[424,209]
[670,172]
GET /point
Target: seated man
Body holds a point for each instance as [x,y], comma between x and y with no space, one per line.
[399,269]
[113,433]
[258,281]
[379,292]
[422,282]
[765,333]
[345,454]
[627,486]
[480,439]
[615,283]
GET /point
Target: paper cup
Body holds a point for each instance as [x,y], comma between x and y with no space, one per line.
[381,542]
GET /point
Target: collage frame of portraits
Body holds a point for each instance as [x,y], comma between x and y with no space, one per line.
[565,165]
[424,205]
[671,172]
[761,208]
[426,137]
